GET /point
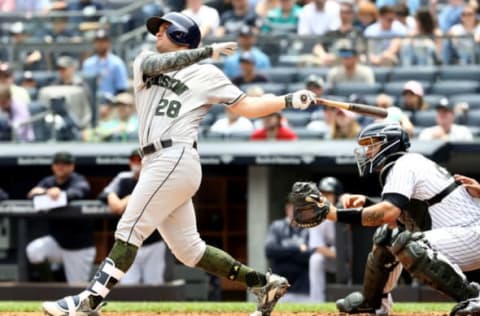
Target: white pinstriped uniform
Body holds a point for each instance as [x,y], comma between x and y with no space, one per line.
[172,109]
[455,220]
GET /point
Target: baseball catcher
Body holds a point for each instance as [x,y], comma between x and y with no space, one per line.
[428,224]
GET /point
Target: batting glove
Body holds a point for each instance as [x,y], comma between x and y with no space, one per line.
[225,48]
[301,99]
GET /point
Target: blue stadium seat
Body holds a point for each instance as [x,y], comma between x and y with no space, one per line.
[208,119]
[433,99]
[459,72]
[214,135]
[382,74]
[395,88]
[217,109]
[239,136]
[281,74]
[473,100]
[294,86]
[304,133]
[424,118]
[473,118]
[417,73]
[303,73]
[335,97]
[451,87]
[360,88]
[297,118]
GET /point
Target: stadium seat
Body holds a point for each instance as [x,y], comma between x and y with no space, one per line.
[473,100]
[297,118]
[473,118]
[304,133]
[335,97]
[418,73]
[395,88]
[217,109]
[239,136]
[208,119]
[303,73]
[382,74]
[459,72]
[268,87]
[425,118]
[214,135]
[281,74]
[360,88]
[295,86]
[451,87]
[433,99]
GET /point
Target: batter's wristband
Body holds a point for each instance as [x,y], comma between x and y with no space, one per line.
[289,101]
[350,215]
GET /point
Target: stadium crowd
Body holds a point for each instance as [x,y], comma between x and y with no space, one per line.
[416,59]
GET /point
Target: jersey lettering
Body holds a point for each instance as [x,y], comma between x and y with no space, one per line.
[168,82]
[168,108]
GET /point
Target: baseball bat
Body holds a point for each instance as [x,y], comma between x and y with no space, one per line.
[355,107]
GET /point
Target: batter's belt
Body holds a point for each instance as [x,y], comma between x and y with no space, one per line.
[152,147]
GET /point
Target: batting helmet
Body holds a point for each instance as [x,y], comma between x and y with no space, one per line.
[379,143]
[330,184]
[183,30]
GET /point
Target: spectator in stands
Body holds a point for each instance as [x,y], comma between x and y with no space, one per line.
[318,17]
[246,43]
[273,129]
[345,126]
[395,114]
[264,6]
[232,21]
[322,244]
[28,81]
[367,15]
[413,96]
[450,14]
[282,19]
[206,17]
[7,5]
[30,59]
[19,94]
[123,126]
[424,44]
[350,70]
[383,38]
[15,115]
[446,129]
[322,120]
[249,73]
[325,54]
[29,7]
[315,84]
[149,265]
[108,68]
[402,14]
[465,48]
[231,124]
[286,247]
[68,241]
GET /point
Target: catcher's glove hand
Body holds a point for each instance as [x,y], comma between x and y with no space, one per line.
[310,207]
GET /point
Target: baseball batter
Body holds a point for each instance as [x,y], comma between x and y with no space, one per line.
[428,223]
[173,94]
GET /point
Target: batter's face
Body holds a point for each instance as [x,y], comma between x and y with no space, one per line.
[164,44]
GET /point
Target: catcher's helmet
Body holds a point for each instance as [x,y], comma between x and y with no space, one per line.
[330,184]
[183,30]
[379,142]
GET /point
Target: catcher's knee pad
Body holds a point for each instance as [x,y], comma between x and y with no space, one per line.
[432,268]
[354,303]
[380,263]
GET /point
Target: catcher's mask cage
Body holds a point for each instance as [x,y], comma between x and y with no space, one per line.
[183,30]
[378,142]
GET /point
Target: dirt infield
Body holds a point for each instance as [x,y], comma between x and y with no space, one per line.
[221,314]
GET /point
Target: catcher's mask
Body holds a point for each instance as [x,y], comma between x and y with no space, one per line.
[378,142]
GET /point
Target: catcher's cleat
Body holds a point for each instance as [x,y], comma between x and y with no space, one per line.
[355,303]
[76,305]
[269,294]
[469,307]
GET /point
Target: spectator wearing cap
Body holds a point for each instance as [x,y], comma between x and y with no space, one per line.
[68,241]
[30,59]
[413,97]
[315,84]
[232,21]
[249,73]
[246,43]
[18,94]
[383,36]
[446,129]
[14,117]
[322,244]
[122,126]
[318,17]
[28,81]
[283,19]
[395,114]
[350,70]
[109,69]
[150,262]
[59,31]
[273,129]
[207,18]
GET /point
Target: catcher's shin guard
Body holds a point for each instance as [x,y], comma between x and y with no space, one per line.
[469,307]
[432,268]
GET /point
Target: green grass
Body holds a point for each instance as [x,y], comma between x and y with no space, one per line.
[221,307]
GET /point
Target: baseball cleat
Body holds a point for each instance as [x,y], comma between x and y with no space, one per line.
[469,307]
[76,305]
[269,294]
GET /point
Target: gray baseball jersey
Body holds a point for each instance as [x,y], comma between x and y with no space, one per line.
[455,220]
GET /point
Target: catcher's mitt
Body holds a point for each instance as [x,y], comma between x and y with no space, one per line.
[310,208]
